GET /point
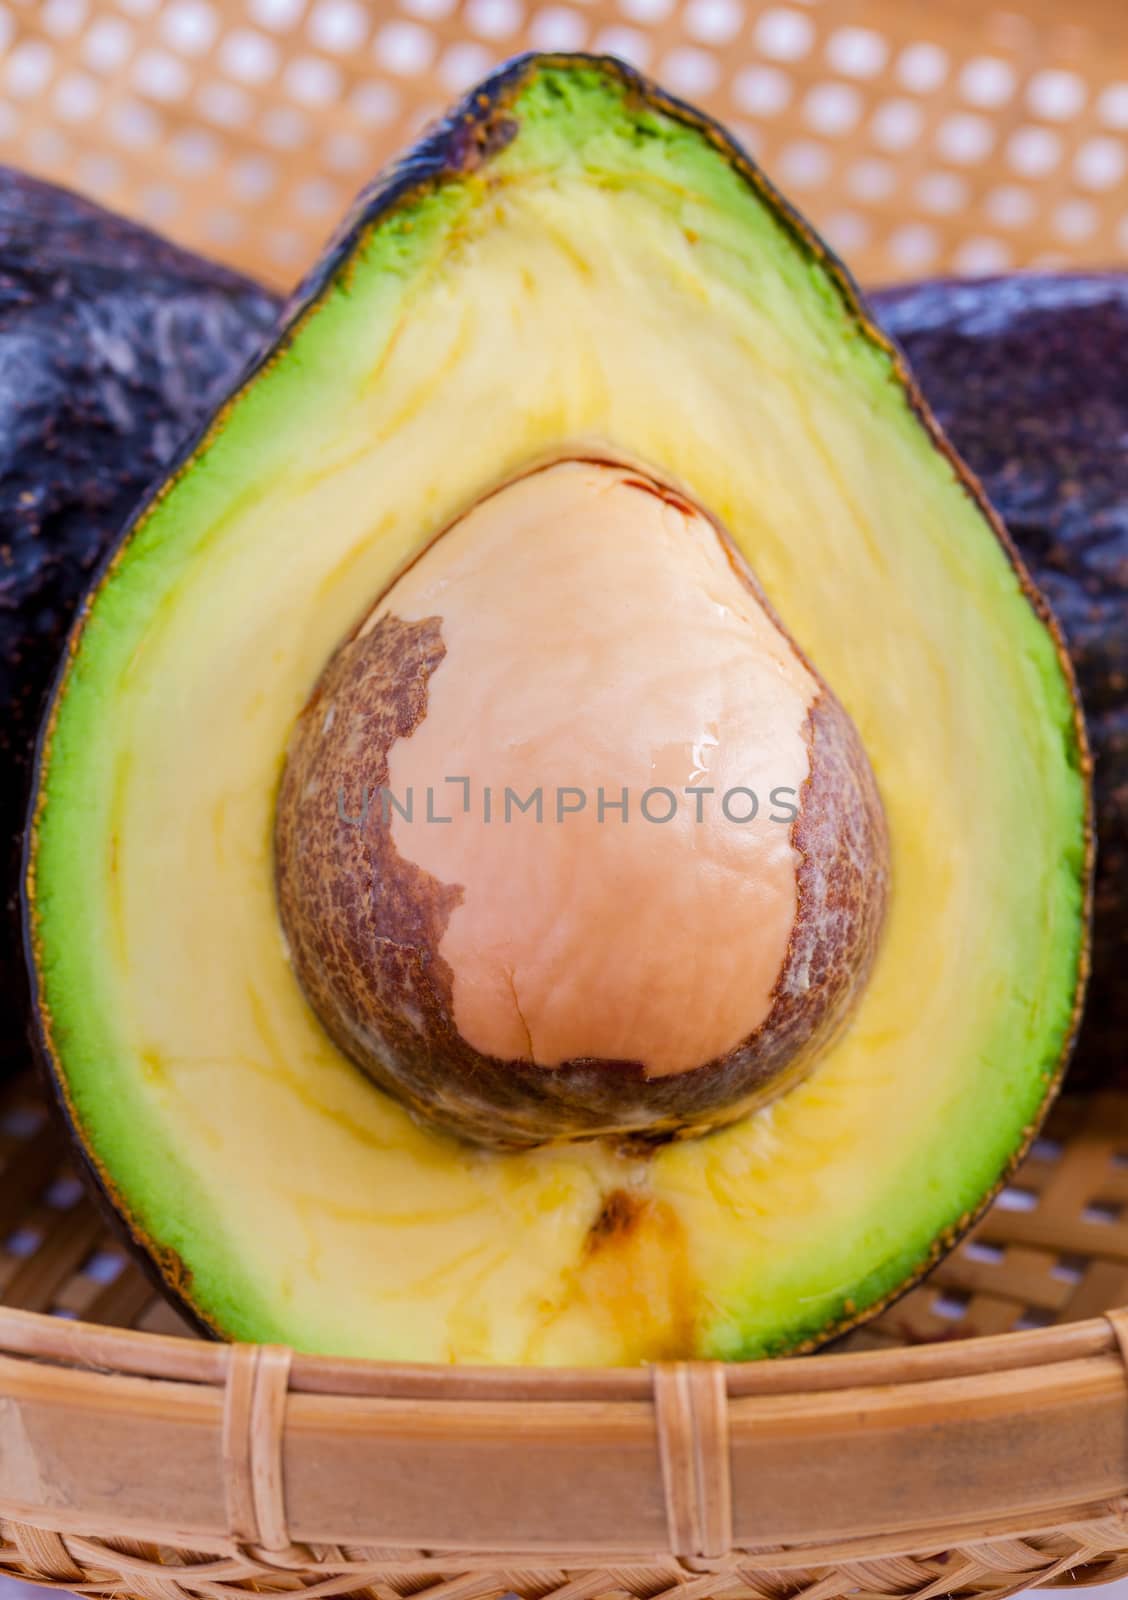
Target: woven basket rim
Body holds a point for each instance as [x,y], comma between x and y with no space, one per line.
[392,1466]
[131,1352]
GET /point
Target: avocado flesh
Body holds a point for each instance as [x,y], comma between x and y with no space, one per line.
[603,273]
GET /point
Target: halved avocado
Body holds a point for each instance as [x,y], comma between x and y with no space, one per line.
[574,266]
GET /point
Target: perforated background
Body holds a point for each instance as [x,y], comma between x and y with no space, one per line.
[921,137]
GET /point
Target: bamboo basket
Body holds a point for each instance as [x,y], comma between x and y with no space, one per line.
[971,1442]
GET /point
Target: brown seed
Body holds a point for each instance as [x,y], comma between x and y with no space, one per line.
[688,913]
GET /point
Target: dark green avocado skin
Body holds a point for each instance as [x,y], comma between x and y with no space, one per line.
[1028,377]
[114,347]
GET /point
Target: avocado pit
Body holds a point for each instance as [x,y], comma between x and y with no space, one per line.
[571,840]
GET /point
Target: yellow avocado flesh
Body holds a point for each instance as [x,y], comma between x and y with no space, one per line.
[586,289]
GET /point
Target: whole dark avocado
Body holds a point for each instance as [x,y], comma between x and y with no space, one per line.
[1028,376]
[114,346]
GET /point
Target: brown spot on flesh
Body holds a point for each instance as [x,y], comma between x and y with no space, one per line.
[619,1213]
[635,1281]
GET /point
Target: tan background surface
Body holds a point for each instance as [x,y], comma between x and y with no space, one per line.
[921,135]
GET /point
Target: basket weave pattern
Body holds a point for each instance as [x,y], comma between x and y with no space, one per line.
[1073,1555]
[972,1441]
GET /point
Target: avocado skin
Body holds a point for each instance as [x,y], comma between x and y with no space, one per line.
[114,345]
[1026,376]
